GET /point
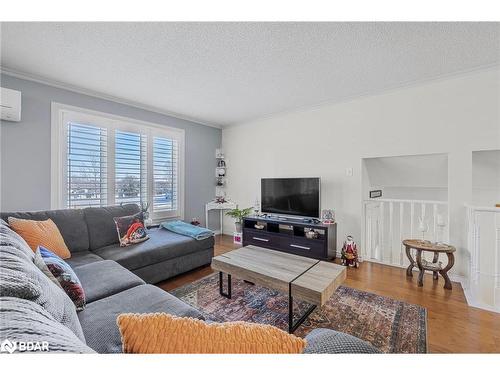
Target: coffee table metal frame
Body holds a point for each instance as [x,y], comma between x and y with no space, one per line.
[292,326]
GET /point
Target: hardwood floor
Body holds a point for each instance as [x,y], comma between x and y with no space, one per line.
[453,326]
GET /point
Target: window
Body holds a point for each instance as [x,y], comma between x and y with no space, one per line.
[100,159]
[130,167]
[165,173]
[86,165]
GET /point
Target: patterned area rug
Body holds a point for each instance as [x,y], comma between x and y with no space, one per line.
[390,325]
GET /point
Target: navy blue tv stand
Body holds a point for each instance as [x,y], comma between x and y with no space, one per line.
[288,235]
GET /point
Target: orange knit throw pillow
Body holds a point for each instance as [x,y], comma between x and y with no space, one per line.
[164,333]
[41,233]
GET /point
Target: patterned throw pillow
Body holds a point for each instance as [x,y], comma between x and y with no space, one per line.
[131,229]
[65,276]
[42,266]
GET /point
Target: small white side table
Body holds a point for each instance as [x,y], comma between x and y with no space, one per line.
[218,206]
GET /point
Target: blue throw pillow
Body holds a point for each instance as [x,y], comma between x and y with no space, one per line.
[65,276]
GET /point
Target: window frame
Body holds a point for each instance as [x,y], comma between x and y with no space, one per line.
[61,114]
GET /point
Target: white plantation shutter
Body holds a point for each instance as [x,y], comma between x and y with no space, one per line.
[101,160]
[130,167]
[165,174]
[86,166]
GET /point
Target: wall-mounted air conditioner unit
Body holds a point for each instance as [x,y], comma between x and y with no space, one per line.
[10,104]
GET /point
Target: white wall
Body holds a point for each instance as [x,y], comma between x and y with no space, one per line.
[453,116]
[486,178]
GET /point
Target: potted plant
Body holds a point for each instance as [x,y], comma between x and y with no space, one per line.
[238,216]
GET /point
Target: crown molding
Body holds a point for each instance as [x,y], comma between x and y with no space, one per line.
[96,94]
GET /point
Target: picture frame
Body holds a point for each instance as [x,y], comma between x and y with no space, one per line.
[375,194]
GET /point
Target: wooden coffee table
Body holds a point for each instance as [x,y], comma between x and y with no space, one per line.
[306,279]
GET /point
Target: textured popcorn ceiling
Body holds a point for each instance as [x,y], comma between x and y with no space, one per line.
[226,73]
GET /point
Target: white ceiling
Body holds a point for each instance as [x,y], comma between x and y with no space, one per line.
[227,73]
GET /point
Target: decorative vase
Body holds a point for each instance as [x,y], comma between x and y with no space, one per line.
[238,227]
[423,227]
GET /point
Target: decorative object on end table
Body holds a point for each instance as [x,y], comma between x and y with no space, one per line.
[350,253]
[375,194]
[440,223]
[423,226]
[259,226]
[131,229]
[238,215]
[328,216]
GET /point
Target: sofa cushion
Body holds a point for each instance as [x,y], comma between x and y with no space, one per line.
[71,224]
[162,245]
[105,278]
[154,273]
[15,255]
[82,258]
[327,341]
[26,321]
[99,318]
[101,224]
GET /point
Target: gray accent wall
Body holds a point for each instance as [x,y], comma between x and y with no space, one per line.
[25,147]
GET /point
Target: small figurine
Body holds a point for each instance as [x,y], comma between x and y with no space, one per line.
[350,253]
[220,199]
[328,216]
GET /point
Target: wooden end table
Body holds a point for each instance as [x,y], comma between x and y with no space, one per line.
[435,266]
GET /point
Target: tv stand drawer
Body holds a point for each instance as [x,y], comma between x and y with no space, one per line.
[259,239]
[308,248]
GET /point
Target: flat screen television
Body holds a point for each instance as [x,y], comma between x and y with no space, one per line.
[291,196]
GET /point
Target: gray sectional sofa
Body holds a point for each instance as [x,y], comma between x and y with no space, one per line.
[91,236]
[33,308]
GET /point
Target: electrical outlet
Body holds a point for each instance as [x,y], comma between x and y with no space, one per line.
[348,172]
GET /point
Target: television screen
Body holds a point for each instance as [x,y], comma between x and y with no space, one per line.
[291,196]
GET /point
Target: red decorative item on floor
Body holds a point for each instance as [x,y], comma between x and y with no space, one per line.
[350,253]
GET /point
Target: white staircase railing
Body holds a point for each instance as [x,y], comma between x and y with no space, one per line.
[387,222]
[483,235]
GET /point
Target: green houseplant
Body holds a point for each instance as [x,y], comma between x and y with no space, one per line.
[238,216]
